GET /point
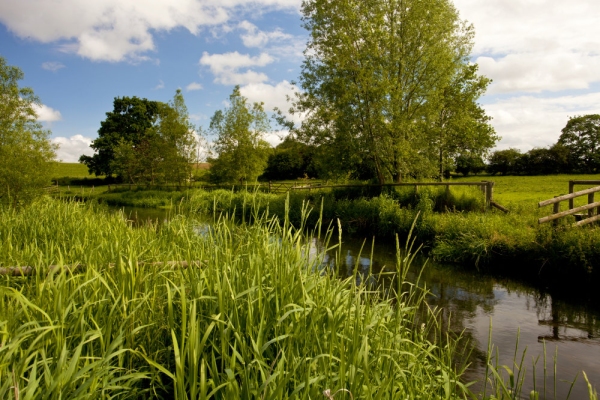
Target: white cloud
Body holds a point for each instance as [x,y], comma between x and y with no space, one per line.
[117,30]
[272,96]
[193,86]
[161,85]
[52,66]
[47,114]
[525,122]
[254,37]
[226,67]
[275,137]
[534,46]
[70,149]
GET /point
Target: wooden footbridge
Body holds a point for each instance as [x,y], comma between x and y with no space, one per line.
[591,210]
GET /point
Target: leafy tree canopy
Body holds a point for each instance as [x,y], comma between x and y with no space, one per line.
[240,145]
[127,123]
[25,151]
[382,93]
[145,141]
[581,136]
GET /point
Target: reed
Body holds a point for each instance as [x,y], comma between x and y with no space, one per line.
[252,321]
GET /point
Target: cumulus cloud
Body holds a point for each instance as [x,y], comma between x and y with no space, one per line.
[47,114]
[274,96]
[538,72]
[226,67]
[117,30]
[254,37]
[52,66]
[528,121]
[534,46]
[70,149]
[193,86]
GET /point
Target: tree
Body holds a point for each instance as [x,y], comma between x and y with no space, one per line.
[459,125]
[127,123]
[291,159]
[176,136]
[242,151]
[145,141]
[25,151]
[469,164]
[581,136]
[373,80]
[504,161]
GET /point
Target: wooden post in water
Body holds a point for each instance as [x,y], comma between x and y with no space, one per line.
[571,185]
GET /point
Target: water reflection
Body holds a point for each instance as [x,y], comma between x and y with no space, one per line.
[468,303]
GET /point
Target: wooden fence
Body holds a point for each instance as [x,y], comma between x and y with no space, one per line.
[486,187]
[581,219]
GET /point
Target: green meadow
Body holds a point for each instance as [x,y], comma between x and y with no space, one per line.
[71,170]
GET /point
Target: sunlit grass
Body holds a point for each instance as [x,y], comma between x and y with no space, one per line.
[251,321]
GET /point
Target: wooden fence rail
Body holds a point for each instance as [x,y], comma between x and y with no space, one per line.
[557,214]
[486,187]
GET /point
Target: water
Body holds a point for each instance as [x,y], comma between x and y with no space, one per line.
[470,303]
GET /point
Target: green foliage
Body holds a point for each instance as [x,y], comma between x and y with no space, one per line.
[26,154]
[459,125]
[291,159]
[384,97]
[251,321]
[242,150]
[469,164]
[504,162]
[127,123]
[144,141]
[581,136]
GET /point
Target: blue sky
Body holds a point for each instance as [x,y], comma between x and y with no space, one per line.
[543,55]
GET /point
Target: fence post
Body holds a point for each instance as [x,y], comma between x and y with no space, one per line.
[590,201]
[489,196]
[555,210]
[571,185]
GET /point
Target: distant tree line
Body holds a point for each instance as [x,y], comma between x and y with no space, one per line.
[576,151]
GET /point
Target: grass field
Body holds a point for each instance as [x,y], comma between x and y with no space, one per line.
[529,189]
[71,170]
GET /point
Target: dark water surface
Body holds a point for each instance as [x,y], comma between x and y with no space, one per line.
[470,302]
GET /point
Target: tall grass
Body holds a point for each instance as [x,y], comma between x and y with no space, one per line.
[251,321]
[511,244]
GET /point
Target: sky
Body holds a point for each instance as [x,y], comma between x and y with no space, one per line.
[542,55]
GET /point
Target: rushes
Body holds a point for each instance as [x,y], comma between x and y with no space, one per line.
[251,323]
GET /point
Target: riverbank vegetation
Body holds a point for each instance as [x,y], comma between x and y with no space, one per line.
[246,319]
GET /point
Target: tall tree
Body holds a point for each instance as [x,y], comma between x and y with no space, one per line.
[458,125]
[373,75]
[581,136]
[127,123]
[177,138]
[25,151]
[242,150]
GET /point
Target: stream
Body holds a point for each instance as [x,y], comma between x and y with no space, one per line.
[470,303]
